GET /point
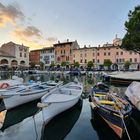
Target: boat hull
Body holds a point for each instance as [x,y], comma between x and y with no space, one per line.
[56,108]
[16,100]
[113,119]
[121,81]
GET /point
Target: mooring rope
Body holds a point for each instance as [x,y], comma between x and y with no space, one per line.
[121,115]
[125,125]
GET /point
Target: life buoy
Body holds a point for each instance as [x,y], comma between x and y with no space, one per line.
[4,85]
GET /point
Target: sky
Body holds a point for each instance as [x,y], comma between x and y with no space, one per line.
[41,23]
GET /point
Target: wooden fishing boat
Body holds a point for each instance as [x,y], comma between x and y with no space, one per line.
[100,88]
[60,99]
[18,95]
[114,110]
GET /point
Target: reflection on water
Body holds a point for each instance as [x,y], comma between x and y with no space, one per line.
[106,133]
[61,125]
[18,114]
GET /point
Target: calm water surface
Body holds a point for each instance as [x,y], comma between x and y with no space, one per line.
[78,123]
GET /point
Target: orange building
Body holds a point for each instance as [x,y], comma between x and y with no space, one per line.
[34,56]
[64,51]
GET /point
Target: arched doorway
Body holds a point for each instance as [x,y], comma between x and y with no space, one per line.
[4,62]
[114,66]
[22,63]
[14,63]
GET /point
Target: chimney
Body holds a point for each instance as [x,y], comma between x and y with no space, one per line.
[67,40]
[58,41]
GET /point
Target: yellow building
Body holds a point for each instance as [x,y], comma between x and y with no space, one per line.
[83,55]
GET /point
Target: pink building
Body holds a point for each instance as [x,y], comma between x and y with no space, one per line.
[112,51]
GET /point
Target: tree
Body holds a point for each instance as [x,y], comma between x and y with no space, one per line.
[131,40]
[32,64]
[90,64]
[63,64]
[41,65]
[76,64]
[52,65]
[107,63]
[127,64]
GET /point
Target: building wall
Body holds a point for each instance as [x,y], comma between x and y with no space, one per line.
[108,51]
[64,51]
[20,52]
[47,56]
[83,55]
[35,56]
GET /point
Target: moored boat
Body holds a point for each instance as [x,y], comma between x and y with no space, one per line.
[11,82]
[113,109]
[60,99]
[15,96]
[133,94]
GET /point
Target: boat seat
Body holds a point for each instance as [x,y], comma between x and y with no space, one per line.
[106,102]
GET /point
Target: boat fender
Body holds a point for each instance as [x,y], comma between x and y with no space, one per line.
[41,105]
[4,85]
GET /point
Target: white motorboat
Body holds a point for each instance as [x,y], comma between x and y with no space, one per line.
[18,95]
[11,82]
[133,94]
[60,99]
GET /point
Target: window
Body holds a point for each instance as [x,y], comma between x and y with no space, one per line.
[130,52]
[93,54]
[81,61]
[98,61]
[135,59]
[130,59]
[85,55]
[25,55]
[20,54]
[109,53]
[121,53]
[74,55]
[70,51]
[93,60]
[98,54]
[104,53]
[73,61]
[85,60]
[117,53]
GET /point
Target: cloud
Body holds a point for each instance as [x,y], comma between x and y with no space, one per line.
[9,14]
[29,31]
[31,36]
[50,41]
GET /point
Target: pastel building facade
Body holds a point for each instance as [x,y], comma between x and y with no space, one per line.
[83,55]
[64,51]
[15,55]
[45,55]
[112,51]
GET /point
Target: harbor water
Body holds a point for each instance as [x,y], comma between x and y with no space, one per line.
[78,123]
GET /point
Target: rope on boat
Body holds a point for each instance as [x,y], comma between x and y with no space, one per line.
[121,115]
[125,126]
